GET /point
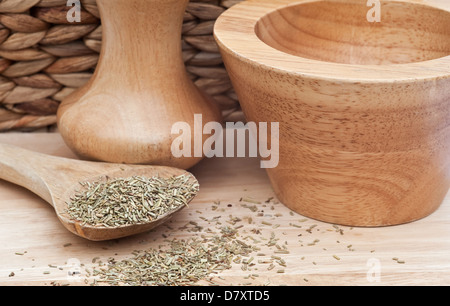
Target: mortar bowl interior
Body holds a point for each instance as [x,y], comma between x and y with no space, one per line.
[341,32]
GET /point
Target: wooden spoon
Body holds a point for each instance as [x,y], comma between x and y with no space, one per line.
[56,179]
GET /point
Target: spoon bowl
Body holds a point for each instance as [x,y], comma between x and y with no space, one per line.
[57,179]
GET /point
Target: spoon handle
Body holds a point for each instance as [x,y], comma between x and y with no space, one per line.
[27,169]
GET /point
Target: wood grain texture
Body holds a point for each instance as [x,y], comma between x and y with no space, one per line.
[28,224]
[364,127]
[125,113]
[340,32]
[56,180]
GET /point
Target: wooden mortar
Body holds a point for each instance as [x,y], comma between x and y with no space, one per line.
[140,88]
[363,107]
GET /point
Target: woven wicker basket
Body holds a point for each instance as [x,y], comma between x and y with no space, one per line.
[43,57]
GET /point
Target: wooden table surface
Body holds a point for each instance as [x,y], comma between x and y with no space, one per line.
[35,249]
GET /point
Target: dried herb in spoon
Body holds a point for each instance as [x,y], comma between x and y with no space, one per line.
[129,201]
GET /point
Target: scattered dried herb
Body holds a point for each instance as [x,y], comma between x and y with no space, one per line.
[184,262]
[248,200]
[398,260]
[202,255]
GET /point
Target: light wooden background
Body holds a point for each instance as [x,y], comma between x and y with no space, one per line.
[28,224]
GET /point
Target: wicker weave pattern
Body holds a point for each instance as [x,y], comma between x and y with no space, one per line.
[43,57]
